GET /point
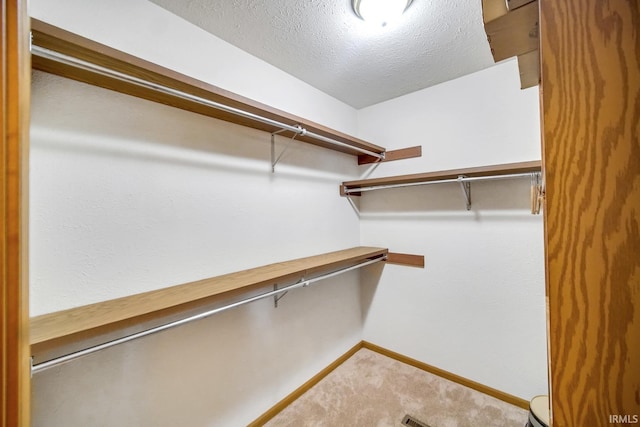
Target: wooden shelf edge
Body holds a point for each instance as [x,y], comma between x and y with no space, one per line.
[510,32]
[392,155]
[501,169]
[58,325]
[67,43]
[408,260]
[529,68]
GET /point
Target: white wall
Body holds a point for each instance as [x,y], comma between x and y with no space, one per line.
[477,309]
[128,196]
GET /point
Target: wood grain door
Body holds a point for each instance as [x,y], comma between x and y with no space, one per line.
[590,53]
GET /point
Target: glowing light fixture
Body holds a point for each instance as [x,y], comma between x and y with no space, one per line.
[380,12]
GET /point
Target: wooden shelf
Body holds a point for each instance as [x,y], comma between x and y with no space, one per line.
[61,41]
[529,68]
[482,171]
[61,325]
[512,30]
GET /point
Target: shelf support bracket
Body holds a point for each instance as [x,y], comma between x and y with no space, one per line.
[466,190]
[353,205]
[278,297]
[274,159]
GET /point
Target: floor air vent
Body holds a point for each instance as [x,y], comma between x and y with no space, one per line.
[412,422]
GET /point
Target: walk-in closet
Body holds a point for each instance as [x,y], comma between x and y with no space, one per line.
[205,227]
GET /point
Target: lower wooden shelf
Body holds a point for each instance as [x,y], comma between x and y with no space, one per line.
[53,329]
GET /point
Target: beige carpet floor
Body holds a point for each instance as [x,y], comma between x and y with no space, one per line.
[370,389]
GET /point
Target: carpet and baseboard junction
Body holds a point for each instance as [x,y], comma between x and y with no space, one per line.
[372,386]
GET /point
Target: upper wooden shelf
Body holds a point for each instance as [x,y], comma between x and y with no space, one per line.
[482,171]
[61,326]
[512,30]
[63,42]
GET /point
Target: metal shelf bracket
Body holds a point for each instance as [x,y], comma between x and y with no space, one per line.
[274,159]
[466,190]
[278,297]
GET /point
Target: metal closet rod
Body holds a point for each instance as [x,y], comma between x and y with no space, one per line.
[301,283]
[461,178]
[89,66]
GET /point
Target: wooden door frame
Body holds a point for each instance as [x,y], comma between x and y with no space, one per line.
[15,82]
[590,116]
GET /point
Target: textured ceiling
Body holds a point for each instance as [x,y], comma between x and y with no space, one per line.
[323,43]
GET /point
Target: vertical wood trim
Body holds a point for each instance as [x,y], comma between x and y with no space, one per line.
[14,125]
[591,133]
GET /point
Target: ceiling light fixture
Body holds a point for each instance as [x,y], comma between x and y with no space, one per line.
[380,12]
